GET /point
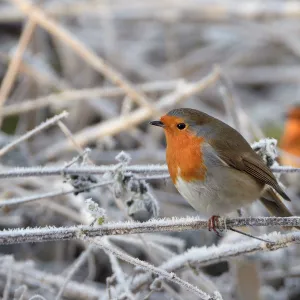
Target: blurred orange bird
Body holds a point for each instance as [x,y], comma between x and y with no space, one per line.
[290,144]
[214,168]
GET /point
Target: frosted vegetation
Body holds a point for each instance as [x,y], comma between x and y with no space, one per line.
[88,210]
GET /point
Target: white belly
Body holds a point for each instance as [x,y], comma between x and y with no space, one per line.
[223,191]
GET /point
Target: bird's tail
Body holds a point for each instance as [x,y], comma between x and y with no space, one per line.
[274,204]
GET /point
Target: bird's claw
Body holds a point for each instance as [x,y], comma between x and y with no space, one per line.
[213,224]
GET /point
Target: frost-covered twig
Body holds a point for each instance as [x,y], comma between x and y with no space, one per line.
[160,225]
[24,272]
[75,267]
[6,292]
[12,71]
[209,255]
[285,169]
[79,170]
[158,171]
[231,103]
[118,272]
[32,132]
[19,293]
[21,200]
[82,50]
[148,267]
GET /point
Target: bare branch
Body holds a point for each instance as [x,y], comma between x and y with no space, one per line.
[32,132]
[148,267]
[26,199]
[156,225]
[12,70]
[82,50]
[81,94]
[148,171]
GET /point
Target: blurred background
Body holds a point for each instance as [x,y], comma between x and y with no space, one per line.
[111,64]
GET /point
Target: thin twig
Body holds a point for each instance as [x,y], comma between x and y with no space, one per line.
[117,270]
[82,50]
[230,100]
[6,291]
[82,94]
[13,67]
[32,277]
[205,256]
[69,135]
[75,267]
[148,267]
[154,171]
[32,132]
[216,11]
[22,200]
[156,225]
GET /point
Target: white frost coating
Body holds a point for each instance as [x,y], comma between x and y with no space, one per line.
[222,252]
[94,209]
[138,169]
[123,157]
[267,150]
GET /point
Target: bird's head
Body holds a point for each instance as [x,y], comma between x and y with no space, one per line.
[183,122]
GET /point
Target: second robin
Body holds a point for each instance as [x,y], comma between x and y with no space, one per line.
[214,168]
[290,144]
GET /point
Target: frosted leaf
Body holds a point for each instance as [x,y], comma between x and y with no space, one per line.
[120,186]
[142,205]
[123,157]
[217,296]
[95,210]
[82,182]
[267,150]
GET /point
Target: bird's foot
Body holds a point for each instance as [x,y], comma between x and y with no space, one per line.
[213,224]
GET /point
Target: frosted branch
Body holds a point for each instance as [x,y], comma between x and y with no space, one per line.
[74,268]
[204,256]
[158,171]
[148,267]
[81,170]
[160,225]
[32,132]
[21,200]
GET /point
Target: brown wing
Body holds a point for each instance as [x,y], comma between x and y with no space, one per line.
[256,167]
[238,154]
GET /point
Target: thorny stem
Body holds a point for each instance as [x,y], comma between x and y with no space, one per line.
[157,225]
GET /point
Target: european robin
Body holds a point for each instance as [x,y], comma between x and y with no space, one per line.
[290,144]
[214,168]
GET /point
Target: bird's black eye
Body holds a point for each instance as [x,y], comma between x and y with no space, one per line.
[181,126]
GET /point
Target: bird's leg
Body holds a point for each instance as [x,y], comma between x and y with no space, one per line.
[213,223]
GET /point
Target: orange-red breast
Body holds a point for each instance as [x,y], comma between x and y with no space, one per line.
[213,166]
[290,144]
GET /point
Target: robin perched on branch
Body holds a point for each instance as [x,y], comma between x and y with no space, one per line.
[214,168]
[290,144]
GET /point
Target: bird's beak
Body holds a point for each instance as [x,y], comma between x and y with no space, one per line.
[157,123]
